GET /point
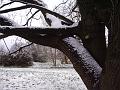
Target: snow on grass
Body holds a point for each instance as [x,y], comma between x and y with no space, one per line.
[49,65]
[40,79]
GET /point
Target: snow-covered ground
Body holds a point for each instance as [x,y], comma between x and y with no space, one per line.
[35,78]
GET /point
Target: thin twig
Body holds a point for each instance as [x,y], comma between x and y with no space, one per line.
[59,5]
[41,9]
[31,17]
[20,49]
[6,4]
[29,12]
[6,45]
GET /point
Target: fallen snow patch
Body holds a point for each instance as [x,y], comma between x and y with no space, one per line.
[40,79]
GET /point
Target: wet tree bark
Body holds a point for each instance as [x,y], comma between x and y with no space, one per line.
[111,74]
[82,61]
[93,34]
[94,41]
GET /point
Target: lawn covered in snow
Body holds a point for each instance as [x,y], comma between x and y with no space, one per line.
[40,79]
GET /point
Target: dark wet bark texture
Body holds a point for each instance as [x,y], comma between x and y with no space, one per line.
[111,74]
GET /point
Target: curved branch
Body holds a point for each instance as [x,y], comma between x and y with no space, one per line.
[14,9]
[31,17]
[34,2]
[41,9]
[82,61]
[60,4]
[6,4]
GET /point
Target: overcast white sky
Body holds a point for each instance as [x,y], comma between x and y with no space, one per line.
[11,40]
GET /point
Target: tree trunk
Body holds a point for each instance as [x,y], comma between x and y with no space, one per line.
[93,39]
[82,62]
[54,58]
[111,73]
[65,59]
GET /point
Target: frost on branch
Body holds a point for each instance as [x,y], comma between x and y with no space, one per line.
[88,62]
[57,23]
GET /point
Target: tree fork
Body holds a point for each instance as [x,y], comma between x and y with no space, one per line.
[94,41]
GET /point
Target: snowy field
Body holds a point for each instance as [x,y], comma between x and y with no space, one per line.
[34,78]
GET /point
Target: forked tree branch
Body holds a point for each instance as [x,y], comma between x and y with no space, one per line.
[31,18]
[41,9]
[60,4]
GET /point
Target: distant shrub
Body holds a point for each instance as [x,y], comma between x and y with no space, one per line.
[21,60]
[4,59]
[42,59]
[39,58]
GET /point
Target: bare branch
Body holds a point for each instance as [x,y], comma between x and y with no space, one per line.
[71,11]
[6,4]
[46,19]
[31,17]
[14,9]
[60,4]
[29,12]
[34,2]
[6,45]
[41,9]
[82,61]
[20,49]
[36,30]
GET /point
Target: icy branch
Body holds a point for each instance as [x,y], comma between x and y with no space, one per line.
[83,62]
[87,59]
